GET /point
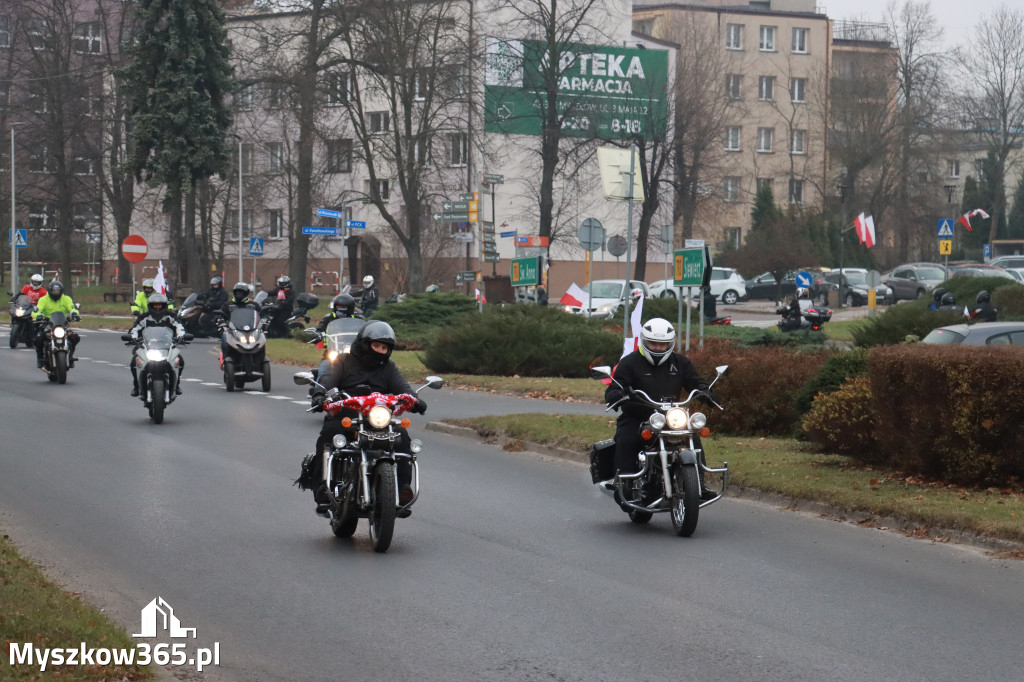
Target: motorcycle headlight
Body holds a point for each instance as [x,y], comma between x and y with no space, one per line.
[58,332]
[657,421]
[676,418]
[379,416]
[156,355]
[415,445]
[20,312]
[339,441]
[332,355]
[698,420]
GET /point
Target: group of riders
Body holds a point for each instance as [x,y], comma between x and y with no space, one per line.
[983,311]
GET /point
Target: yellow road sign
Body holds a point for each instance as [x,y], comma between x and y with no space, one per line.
[945,247]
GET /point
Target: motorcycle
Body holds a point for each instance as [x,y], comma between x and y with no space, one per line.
[58,345]
[336,340]
[157,358]
[21,321]
[672,462]
[280,326]
[720,320]
[198,318]
[246,339]
[361,474]
[811,318]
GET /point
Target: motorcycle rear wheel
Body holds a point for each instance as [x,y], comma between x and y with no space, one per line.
[685,499]
[156,410]
[382,510]
[229,375]
[344,524]
[60,361]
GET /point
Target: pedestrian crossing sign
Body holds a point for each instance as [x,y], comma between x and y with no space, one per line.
[255,246]
[946,228]
[21,238]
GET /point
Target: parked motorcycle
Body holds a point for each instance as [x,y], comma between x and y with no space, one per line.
[672,462]
[720,320]
[811,318]
[157,358]
[21,321]
[58,345]
[280,326]
[198,319]
[245,360]
[361,474]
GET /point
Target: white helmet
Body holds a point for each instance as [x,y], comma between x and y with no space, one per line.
[36,280]
[657,330]
[802,292]
[368,281]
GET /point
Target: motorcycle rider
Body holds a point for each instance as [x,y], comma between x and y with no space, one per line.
[948,302]
[660,373]
[370,298]
[792,315]
[343,305]
[367,368]
[54,301]
[936,298]
[34,289]
[710,304]
[158,314]
[282,299]
[985,312]
[140,304]
[239,299]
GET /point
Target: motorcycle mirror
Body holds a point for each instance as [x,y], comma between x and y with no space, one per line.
[78,306]
[303,378]
[126,337]
[434,382]
[601,372]
[188,337]
[721,369]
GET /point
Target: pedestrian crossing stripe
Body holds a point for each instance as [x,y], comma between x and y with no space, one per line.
[946,228]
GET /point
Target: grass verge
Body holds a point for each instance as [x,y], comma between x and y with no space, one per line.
[34,609]
[795,470]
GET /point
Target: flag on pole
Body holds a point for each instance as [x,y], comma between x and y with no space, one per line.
[480,297]
[631,344]
[858,227]
[965,219]
[869,231]
[159,283]
[575,297]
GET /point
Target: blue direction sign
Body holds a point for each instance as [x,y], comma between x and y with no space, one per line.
[945,228]
[20,238]
[332,231]
[356,224]
[507,234]
[255,246]
[803,279]
[328,213]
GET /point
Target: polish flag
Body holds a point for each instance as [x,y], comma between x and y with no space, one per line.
[159,282]
[630,345]
[869,231]
[575,297]
[965,220]
[480,297]
[858,227]
[966,217]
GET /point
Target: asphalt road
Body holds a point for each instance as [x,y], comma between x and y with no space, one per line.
[512,566]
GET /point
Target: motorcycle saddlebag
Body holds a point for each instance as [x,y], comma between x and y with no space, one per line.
[602,460]
[307,300]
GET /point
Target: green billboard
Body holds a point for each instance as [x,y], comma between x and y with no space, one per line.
[525,272]
[607,93]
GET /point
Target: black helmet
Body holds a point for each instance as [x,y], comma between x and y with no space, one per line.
[374,331]
[240,291]
[344,304]
[56,290]
[217,282]
[984,296]
[157,305]
[284,282]
[938,294]
[948,299]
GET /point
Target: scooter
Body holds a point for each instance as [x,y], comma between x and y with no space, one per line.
[811,318]
[244,333]
[198,318]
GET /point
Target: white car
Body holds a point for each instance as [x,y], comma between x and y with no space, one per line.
[606,297]
[727,285]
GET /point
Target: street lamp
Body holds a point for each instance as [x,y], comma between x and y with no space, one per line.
[14,245]
[843,189]
[239,138]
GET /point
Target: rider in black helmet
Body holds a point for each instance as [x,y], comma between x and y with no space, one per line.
[984,311]
[343,305]
[158,314]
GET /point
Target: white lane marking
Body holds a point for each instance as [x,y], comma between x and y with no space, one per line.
[279,397]
[210,383]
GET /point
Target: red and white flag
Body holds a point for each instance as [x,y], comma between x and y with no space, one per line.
[630,345]
[159,282]
[865,228]
[480,297]
[965,219]
[575,297]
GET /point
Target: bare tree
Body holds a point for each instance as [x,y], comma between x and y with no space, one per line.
[993,66]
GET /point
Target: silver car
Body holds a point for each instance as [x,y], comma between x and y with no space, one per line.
[606,297]
[979,334]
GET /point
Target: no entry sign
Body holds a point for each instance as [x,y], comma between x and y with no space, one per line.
[134,248]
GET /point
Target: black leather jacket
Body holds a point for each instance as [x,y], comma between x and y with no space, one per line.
[666,381]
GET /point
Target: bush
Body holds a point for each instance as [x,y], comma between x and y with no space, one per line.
[419,316]
[1009,301]
[843,420]
[523,340]
[837,368]
[900,321]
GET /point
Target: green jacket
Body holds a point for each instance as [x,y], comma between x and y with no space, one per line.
[47,305]
[140,306]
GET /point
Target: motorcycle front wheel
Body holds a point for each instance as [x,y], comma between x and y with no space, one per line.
[156,410]
[685,499]
[15,333]
[229,375]
[266,376]
[382,510]
[60,361]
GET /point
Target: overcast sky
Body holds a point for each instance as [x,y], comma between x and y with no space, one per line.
[955,16]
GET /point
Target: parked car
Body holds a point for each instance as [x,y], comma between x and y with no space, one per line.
[853,288]
[764,286]
[914,280]
[607,296]
[727,285]
[1017,274]
[1008,262]
[979,270]
[979,334]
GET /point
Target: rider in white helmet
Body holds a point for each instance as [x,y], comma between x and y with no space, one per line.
[34,289]
[370,298]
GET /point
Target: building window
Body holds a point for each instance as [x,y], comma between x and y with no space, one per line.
[37,100]
[796,191]
[380,121]
[798,89]
[421,151]
[38,159]
[798,142]
[733,237]
[248,158]
[39,214]
[459,149]
[765,139]
[339,88]
[5,31]
[734,36]
[339,156]
[732,138]
[420,85]
[5,95]
[733,86]
[38,34]
[247,224]
[383,189]
[731,189]
[275,157]
[275,223]
[953,168]
[82,163]
[275,96]
[764,184]
[87,38]
[244,98]
[767,39]
[766,88]
[800,40]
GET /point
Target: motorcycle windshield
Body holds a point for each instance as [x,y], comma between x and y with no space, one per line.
[58,319]
[190,300]
[342,332]
[21,301]
[157,338]
[244,319]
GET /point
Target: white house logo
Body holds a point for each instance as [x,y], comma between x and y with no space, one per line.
[158,616]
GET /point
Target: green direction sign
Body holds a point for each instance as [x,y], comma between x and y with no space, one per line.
[451,216]
[493,179]
[689,268]
[465,276]
[608,93]
[467,196]
[456,206]
[491,257]
[525,272]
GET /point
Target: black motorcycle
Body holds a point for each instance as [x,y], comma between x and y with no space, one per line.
[282,321]
[198,319]
[21,320]
[157,360]
[811,318]
[58,345]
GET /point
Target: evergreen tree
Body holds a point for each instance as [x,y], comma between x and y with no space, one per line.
[177,82]
[765,211]
[1015,223]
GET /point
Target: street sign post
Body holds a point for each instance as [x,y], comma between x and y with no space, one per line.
[451,217]
[532,241]
[525,272]
[355,224]
[945,247]
[689,268]
[328,213]
[465,276]
[616,245]
[510,233]
[255,246]
[492,179]
[945,228]
[326,231]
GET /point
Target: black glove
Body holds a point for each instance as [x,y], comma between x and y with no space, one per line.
[420,407]
[318,401]
[710,396]
[75,317]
